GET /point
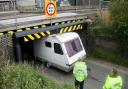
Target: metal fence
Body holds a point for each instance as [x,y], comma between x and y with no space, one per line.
[38,5]
[7,5]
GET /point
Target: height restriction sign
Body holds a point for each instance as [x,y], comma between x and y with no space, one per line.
[50,8]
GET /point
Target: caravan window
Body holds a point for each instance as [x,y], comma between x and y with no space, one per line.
[48,44]
[58,49]
[73,47]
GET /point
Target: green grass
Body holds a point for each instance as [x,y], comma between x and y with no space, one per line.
[23,76]
[109,55]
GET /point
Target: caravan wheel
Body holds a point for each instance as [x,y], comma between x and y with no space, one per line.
[48,64]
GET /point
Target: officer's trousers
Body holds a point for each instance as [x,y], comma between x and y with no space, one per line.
[79,85]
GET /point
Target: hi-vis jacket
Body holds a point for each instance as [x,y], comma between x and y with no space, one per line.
[113,83]
[80,71]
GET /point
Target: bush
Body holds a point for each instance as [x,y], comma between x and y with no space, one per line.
[98,29]
[96,32]
[23,76]
[119,17]
[108,55]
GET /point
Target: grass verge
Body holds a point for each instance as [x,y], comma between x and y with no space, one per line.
[23,76]
[109,55]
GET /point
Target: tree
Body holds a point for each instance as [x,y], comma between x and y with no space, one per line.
[119,17]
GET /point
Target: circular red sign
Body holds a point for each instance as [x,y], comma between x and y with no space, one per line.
[50,9]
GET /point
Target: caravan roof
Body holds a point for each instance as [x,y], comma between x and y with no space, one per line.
[66,36]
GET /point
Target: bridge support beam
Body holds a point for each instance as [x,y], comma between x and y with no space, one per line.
[18,52]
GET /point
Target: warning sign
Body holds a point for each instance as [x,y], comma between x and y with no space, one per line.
[50,8]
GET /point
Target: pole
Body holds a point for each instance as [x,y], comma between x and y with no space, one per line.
[15,15]
[75,5]
[18,52]
[76,8]
[100,5]
[14,9]
[89,3]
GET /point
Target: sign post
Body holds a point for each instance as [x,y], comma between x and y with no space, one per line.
[50,8]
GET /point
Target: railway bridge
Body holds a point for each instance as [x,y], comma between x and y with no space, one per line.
[17,34]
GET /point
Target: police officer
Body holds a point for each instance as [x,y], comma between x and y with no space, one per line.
[113,80]
[80,74]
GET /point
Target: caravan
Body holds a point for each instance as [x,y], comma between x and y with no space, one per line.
[60,50]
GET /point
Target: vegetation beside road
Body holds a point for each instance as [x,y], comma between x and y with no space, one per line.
[23,76]
[110,27]
[108,55]
[119,20]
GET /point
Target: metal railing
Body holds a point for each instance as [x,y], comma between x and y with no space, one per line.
[38,5]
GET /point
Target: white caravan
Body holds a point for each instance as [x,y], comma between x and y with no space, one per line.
[60,51]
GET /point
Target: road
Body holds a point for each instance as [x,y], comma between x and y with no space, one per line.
[97,74]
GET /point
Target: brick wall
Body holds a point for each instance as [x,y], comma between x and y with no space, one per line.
[6,48]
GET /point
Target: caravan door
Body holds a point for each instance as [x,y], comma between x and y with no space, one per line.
[59,56]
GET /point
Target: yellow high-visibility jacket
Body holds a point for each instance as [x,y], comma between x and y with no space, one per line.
[113,83]
[80,71]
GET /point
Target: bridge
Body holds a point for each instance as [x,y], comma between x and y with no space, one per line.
[23,21]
